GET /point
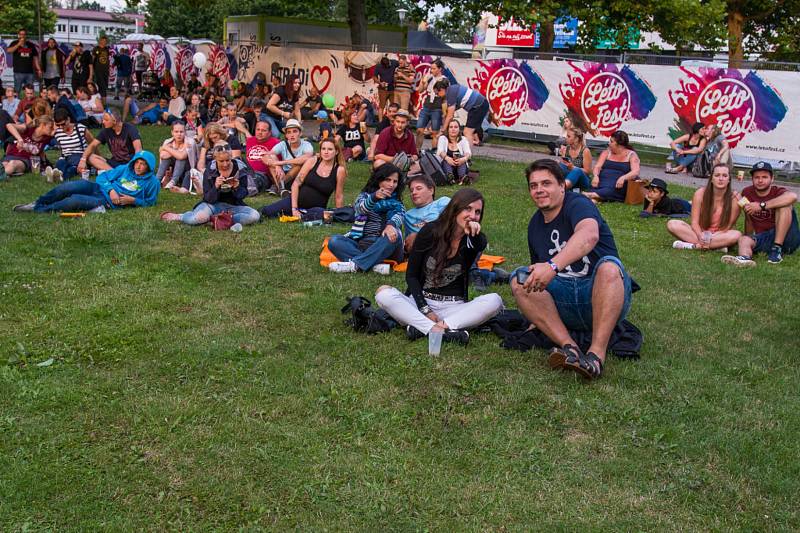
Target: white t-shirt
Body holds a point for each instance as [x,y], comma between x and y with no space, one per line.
[91,104]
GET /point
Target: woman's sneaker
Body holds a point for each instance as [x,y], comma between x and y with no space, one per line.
[24,208]
[48,173]
[343,267]
[457,336]
[683,245]
[738,260]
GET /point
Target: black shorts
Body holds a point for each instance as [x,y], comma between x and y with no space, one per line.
[25,161]
[476,115]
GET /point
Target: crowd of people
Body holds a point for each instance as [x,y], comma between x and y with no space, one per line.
[228,145]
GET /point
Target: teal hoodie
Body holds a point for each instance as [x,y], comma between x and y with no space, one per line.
[124,180]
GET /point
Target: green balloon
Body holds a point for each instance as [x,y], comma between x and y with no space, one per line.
[328,100]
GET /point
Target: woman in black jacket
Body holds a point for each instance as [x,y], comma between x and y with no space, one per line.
[438,274]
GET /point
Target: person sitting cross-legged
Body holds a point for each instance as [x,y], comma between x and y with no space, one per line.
[576,280]
[376,234]
[178,155]
[30,143]
[257,153]
[437,298]
[396,140]
[771,225]
[224,189]
[72,140]
[320,177]
[713,218]
[288,156]
[133,185]
[123,142]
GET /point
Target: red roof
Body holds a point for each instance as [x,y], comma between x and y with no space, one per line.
[88,14]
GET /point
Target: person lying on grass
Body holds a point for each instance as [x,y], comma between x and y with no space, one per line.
[134,184]
[714,215]
[576,280]
[224,190]
[376,234]
[657,201]
[438,275]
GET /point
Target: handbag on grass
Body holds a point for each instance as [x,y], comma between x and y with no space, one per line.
[222,221]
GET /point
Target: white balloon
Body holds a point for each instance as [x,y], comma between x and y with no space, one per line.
[199,59]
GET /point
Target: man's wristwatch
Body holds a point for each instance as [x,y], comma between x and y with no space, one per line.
[763,206]
[425,309]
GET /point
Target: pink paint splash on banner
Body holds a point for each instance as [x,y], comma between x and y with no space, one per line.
[601,97]
[511,87]
[737,104]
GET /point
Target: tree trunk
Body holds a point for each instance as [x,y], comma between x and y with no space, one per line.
[735,36]
[357,17]
[547,35]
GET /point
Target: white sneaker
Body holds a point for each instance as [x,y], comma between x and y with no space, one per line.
[98,209]
[48,173]
[738,260]
[384,269]
[683,245]
[343,267]
[236,228]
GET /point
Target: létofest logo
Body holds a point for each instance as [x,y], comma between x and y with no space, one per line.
[184,62]
[601,97]
[738,105]
[511,87]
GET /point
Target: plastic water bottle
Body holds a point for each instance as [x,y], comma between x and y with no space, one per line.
[36,162]
[312,223]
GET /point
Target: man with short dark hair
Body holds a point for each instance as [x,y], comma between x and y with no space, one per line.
[60,101]
[404,76]
[576,280]
[384,79]
[770,224]
[25,60]
[429,121]
[141,63]
[395,140]
[427,207]
[124,71]
[257,153]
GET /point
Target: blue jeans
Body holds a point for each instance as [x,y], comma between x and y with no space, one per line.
[576,177]
[684,160]
[203,212]
[180,171]
[766,239]
[79,195]
[69,165]
[458,172]
[21,79]
[276,126]
[429,116]
[573,296]
[367,251]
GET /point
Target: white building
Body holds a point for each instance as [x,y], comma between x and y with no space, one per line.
[85,25]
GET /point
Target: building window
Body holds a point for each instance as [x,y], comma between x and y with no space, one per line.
[61,28]
[85,30]
[97,30]
[73,28]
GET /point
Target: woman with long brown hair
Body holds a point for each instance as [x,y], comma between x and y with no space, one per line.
[438,275]
[285,103]
[320,177]
[714,215]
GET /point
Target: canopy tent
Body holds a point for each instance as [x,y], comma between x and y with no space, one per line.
[426,43]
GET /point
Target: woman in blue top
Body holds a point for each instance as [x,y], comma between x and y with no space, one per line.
[376,234]
[133,184]
[614,169]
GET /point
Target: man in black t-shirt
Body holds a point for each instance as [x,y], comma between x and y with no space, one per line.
[80,60]
[25,59]
[100,67]
[123,142]
[384,78]
[576,280]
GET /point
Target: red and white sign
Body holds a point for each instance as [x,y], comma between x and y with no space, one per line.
[606,102]
[730,104]
[509,33]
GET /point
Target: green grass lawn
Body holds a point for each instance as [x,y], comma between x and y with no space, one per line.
[205,380]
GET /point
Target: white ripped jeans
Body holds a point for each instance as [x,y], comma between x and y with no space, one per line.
[457,315]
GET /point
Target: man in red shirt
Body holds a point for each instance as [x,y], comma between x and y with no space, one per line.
[395,140]
[771,222]
[257,149]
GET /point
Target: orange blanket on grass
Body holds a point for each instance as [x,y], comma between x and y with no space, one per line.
[486,262]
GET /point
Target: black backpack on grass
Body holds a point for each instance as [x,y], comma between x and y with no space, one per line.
[431,166]
[365,318]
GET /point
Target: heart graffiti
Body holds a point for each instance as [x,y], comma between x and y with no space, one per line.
[318,74]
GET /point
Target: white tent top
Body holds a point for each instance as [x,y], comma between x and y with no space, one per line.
[146,37]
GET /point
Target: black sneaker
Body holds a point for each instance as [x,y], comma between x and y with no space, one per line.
[775,255]
[285,193]
[477,281]
[413,333]
[457,336]
[501,277]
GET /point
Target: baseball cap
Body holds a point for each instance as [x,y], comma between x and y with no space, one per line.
[293,123]
[402,113]
[78,44]
[761,165]
[657,183]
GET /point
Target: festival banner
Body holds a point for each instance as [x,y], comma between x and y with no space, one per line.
[757,111]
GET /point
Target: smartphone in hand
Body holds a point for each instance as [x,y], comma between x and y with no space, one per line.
[522,276]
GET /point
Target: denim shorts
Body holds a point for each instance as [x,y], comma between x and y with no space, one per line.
[573,296]
[432,116]
[766,239]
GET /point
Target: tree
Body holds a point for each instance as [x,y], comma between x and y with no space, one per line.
[357,18]
[91,6]
[22,14]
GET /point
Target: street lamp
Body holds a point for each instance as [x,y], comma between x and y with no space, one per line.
[401,14]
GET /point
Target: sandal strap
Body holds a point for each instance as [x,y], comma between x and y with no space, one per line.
[592,364]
